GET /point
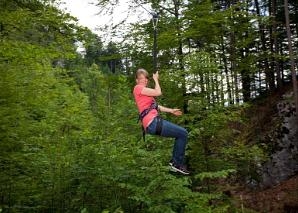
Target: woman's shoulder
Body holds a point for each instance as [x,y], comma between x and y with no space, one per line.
[138,88]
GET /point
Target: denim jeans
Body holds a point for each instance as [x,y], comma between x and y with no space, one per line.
[173,131]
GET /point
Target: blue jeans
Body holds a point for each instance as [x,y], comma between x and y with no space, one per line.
[173,131]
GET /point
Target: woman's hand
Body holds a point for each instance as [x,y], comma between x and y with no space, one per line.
[155,76]
[176,112]
[153,92]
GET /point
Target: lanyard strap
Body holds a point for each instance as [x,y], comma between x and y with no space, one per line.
[146,111]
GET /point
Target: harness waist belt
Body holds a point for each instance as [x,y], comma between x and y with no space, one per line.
[146,111]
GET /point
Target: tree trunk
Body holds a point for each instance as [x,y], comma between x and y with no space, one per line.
[246,81]
[245,73]
[217,89]
[180,54]
[275,44]
[233,66]
[208,92]
[294,78]
[232,52]
[222,94]
[281,63]
[269,74]
[225,63]
[202,84]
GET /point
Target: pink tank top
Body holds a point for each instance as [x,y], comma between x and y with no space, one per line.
[143,102]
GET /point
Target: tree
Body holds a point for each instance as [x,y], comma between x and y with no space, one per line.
[43,112]
[293,72]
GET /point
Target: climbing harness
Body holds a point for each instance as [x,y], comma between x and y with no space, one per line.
[145,112]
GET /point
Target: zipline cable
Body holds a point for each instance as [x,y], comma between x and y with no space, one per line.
[154,22]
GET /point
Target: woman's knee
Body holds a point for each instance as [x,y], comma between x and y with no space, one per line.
[184,132]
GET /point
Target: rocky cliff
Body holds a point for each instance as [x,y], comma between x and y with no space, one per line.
[283,162]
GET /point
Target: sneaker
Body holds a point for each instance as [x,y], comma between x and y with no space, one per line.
[171,163]
[181,169]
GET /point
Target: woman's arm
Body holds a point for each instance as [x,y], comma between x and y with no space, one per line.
[153,92]
[176,112]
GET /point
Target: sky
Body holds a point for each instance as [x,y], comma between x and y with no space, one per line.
[88,15]
[83,10]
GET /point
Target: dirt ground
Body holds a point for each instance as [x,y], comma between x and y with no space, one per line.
[282,198]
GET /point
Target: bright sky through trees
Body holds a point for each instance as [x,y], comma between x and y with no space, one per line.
[89,15]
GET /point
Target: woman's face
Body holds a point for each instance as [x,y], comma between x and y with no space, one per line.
[142,79]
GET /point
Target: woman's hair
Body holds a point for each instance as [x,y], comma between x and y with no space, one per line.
[141,71]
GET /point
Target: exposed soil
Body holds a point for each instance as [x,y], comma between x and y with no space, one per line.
[282,198]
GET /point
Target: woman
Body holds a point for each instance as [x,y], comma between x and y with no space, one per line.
[153,124]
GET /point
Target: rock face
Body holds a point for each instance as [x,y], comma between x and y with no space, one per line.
[283,162]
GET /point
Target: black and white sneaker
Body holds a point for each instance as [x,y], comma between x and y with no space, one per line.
[180,169]
[171,163]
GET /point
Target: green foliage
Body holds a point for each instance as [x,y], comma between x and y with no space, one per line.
[246,158]
[211,175]
[69,139]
